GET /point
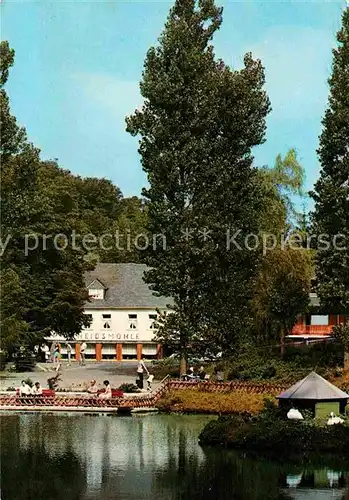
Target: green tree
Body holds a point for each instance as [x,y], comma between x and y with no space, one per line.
[286,180]
[12,325]
[282,292]
[341,333]
[331,193]
[46,281]
[198,124]
[129,232]
[286,269]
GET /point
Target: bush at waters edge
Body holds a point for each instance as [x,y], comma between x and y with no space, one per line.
[271,431]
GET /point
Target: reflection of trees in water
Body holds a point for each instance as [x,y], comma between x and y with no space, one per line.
[346,494]
[54,478]
[28,471]
[223,475]
[107,458]
[228,474]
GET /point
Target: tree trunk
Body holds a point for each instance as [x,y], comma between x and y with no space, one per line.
[282,343]
[183,365]
[346,361]
[346,352]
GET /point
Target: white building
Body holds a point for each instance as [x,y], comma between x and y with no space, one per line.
[122,310]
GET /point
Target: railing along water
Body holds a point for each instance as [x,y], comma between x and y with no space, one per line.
[143,400]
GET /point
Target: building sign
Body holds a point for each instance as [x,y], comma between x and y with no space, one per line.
[108,336]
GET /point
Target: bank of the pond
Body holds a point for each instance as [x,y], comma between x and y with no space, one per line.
[194,401]
[272,432]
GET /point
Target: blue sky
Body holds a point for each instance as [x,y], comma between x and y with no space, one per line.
[78,66]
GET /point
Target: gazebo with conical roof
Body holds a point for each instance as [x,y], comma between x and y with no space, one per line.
[316,394]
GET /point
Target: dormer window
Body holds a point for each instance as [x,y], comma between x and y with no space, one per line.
[132,321]
[96,290]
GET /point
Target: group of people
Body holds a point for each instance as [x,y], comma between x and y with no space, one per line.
[93,389]
[53,354]
[26,390]
[200,375]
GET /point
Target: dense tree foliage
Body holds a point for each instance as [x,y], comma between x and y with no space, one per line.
[286,269]
[331,194]
[341,333]
[44,282]
[282,292]
[283,181]
[204,218]
[198,124]
[51,222]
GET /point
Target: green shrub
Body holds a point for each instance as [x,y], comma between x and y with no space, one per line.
[29,382]
[3,360]
[221,431]
[53,382]
[24,362]
[128,388]
[271,431]
[253,362]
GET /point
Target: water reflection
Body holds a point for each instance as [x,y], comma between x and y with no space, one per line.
[143,457]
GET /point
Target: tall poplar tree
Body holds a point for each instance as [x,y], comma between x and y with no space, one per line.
[331,192]
[197,126]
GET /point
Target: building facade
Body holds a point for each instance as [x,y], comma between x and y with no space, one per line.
[122,311]
[315,325]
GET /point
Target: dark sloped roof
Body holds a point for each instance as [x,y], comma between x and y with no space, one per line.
[125,287]
[313,387]
[96,284]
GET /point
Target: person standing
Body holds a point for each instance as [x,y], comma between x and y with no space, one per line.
[141,368]
[46,351]
[52,352]
[149,382]
[83,347]
[57,354]
[69,350]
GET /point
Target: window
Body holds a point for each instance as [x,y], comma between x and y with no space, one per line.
[153,318]
[96,294]
[319,320]
[132,321]
[106,320]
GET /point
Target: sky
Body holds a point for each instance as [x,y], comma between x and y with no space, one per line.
[78,66]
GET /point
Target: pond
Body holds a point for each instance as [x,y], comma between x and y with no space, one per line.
[81,457]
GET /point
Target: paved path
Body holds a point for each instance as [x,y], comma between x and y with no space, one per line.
[77,376]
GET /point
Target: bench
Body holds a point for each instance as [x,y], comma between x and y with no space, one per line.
[48,393]
[115,393]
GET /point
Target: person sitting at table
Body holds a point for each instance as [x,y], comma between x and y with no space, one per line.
[107,394]
[191,374]
[202,373]
[36,389]
[92,388]
[25,389]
